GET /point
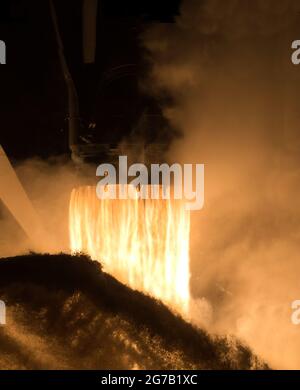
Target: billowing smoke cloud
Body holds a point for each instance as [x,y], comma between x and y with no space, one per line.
[226,68]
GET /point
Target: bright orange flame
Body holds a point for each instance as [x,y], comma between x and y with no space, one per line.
[143,243]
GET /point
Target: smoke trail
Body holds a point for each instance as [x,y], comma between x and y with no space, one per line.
[234,92]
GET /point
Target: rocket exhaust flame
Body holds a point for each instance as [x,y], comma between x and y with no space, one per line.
[143,243]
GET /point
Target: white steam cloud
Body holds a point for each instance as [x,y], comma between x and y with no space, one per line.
[235,98]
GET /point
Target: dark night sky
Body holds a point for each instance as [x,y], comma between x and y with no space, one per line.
[33,96]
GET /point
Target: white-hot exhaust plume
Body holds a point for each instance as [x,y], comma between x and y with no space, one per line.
[143,243]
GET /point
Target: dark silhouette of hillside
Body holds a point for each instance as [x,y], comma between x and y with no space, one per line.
[65,312]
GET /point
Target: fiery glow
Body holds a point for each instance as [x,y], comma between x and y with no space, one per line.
[143,243]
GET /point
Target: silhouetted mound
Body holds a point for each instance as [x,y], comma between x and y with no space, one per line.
[64,312]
